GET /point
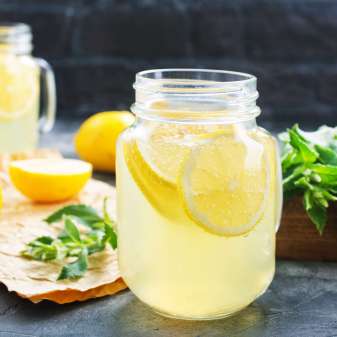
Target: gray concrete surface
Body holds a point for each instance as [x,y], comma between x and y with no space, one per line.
[301,302]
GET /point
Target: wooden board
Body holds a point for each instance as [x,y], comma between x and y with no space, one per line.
[298,238]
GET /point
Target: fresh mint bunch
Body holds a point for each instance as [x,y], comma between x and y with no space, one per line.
[309,168]
[71,243]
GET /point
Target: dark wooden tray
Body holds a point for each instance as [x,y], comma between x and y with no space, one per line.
[298,238]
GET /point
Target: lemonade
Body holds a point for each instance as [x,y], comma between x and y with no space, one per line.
[20,76]
[198,205]
[19,103]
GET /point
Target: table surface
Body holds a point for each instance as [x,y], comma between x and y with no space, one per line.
[301,301]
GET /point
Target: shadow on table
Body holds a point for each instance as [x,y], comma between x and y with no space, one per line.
[135,319]
[25,309]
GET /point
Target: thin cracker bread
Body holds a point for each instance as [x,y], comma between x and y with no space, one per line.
[22,221]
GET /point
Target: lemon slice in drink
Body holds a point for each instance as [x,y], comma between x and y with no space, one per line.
[162,195]
[154,159]
[165,148]
[19,86]
[224,184]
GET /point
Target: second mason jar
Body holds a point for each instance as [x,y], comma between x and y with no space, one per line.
[198,194]
[24,80]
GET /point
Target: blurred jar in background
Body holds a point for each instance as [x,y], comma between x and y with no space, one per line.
[23,80]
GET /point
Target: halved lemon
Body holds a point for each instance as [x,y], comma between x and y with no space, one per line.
[224,184]
[49,180]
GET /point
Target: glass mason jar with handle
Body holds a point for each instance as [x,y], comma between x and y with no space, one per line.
[198,194]
[23,81]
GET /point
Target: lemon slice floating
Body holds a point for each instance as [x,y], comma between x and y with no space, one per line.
[165,148]
[19,80]
[161,195]
[224,184]
[49,180]
[154,159]
[155,156]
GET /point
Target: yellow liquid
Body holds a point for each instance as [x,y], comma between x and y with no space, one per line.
[181,270]
[19,103]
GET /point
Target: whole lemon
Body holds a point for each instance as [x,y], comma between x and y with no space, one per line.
[96,139]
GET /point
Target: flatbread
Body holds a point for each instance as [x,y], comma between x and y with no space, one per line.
[22,221]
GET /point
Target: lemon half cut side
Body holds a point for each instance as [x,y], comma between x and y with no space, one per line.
[49,180]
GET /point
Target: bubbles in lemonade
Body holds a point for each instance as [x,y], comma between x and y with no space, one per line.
[198,207]
[19,102]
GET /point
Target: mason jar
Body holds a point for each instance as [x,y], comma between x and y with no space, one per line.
[24,81]
[198,194]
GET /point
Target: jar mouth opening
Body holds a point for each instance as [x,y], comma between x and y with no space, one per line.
[189,81]
[195,94]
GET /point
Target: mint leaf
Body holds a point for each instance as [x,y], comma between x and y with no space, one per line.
[318,216]
[41,249]
[75,269]
[111,236]
[309,154]
[307,200]
[326,155]
[46,240]
[71,230]
[70,243]
[105,211]
[84,214]
[327,174]
[309,167]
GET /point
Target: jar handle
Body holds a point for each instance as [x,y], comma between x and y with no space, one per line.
[48,92]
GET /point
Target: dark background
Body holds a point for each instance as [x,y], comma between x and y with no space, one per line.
[97,46]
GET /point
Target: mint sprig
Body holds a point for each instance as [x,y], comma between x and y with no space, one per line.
[71,244]
[309,167]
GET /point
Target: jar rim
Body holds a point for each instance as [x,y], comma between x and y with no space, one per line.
[197,80]
[16,35]
[13,28]
[228,94]
[144,73]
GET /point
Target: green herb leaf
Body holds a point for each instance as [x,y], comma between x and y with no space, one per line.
[307,200]
[309,154]
[111,236]
[70,243]
[318,216]
[75,269]
[41,249]
[326,155]
[309,167]
[71,230]
[84,214]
